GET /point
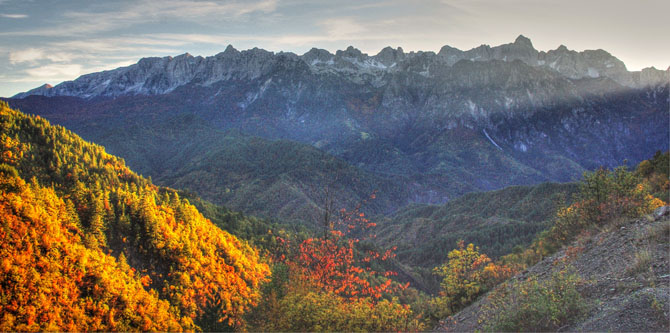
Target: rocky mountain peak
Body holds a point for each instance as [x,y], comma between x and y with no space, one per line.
[351,52]
[315,56]
[155,75]
[184,56]
[389,56]
[149,61]
[523,41]
[230,50]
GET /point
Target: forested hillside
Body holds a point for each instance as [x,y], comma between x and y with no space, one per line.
[497,221]
[128,254]
[90,245]
[602,265]
[283,180]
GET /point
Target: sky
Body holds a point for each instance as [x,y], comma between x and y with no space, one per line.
[50,41]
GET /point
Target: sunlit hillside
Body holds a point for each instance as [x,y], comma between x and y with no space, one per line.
[88,223]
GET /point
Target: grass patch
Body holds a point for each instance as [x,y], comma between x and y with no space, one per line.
[660,233]
[641,262]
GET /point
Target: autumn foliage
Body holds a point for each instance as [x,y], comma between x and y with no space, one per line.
[604,197]
[329,283]
[51,281]
[332,263]
[466,275]
[178,268]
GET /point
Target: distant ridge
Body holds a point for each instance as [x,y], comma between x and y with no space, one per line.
[154,76]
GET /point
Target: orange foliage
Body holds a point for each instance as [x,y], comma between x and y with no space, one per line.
[51,281]
[207,261]
[169,251]
[331,263]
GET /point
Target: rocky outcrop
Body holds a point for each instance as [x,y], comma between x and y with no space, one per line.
[447,123]
[154,76]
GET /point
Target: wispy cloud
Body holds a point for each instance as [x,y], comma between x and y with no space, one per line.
[27,55]
[55,71]
[14,16]
[34,55]
[111,16]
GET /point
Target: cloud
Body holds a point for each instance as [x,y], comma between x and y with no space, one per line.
[343,28]
[14,16]
[116,45]
[27,55]
[34,55]
[199,9]
[108,66]
[111,16]
[54,71]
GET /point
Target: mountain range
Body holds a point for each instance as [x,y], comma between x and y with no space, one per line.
[420,127]
[342,159]
[155,76]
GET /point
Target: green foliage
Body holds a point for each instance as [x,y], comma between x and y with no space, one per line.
[657,173]
[534,305]
[500,221]
[604,195]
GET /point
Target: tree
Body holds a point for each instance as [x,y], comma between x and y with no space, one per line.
[466,275]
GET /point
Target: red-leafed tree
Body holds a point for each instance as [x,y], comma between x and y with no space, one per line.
[331,283]
[332,262]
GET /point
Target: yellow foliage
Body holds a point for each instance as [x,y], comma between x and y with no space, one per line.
[171,252]
[51,281]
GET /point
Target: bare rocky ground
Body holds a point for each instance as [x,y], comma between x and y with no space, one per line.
[626,270]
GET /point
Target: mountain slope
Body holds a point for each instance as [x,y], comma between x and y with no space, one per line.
[440,124]
[281,179]
[52,281]
[624,273]
[180,257]
[497,221]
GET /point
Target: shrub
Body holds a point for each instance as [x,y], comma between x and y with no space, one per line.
[466,275]
[534,305]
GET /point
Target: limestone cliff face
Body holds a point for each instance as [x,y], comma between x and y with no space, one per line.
[151,76]
[447,123]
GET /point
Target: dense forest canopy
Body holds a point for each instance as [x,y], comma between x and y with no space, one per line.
[158,239]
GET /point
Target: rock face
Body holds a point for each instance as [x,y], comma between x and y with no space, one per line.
[151,76]
[445,124]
